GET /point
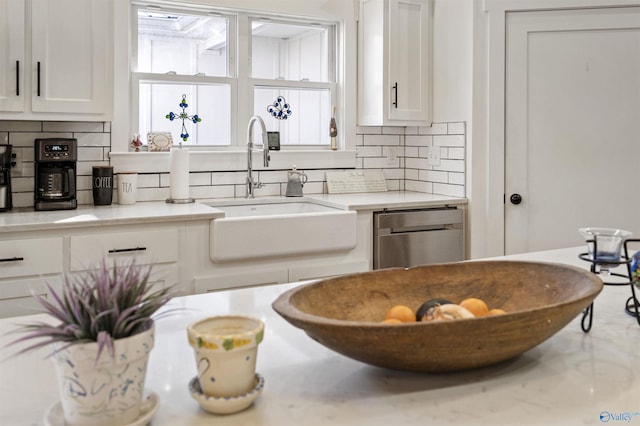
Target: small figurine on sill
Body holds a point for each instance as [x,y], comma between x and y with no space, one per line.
[136,143]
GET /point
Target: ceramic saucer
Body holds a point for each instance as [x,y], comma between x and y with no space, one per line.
[225,404]
[54,416]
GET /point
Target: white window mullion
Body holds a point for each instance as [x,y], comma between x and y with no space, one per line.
[245,88]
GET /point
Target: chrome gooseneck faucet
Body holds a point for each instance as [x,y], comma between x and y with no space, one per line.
[251,182]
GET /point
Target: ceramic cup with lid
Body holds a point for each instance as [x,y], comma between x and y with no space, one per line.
[226,349]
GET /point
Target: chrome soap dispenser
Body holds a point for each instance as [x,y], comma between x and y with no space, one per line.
[295,181]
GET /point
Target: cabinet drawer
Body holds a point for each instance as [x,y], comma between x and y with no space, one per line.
[158,246]
[19,258]
[16,295]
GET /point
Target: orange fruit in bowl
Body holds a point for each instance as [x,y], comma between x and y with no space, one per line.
[496,311]
[391,321]
[402,313]
[476,306]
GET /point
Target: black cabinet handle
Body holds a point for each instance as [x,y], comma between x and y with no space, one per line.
[17,78]
[395,90]
[38,78]
[12,259]
[127,250]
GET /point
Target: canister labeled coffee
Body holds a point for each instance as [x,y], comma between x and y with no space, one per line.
[102,185]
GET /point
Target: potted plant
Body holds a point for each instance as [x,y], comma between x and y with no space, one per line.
[101,339]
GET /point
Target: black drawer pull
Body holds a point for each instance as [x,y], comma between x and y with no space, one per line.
[12,259]
[127,250]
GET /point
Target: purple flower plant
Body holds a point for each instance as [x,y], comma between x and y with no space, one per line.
[103,305]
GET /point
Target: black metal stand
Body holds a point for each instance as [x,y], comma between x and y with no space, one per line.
[632,306]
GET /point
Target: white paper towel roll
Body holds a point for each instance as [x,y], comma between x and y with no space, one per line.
[179,174]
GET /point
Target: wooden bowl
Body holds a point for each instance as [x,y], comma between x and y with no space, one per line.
[344,313]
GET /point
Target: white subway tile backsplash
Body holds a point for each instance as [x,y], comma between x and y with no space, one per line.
[422,140]
[20,126]
[417,163]
[71,126]
[456,178]
[93,139]
[370,140]
[434,129]
[27,139]
[200,179]
[151,180]
[451,165]
[394,174]
[456,128]
[369,151]
[401,152]
[448,140]
[450,190]
[418,186]
[455,153]
[434,176]
[393,131]
[369,130]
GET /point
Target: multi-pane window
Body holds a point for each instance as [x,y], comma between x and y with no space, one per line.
[198,54]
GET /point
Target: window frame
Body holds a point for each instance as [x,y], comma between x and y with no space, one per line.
[239,73]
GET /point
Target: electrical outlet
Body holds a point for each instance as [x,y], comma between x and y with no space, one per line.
[433,156]
[392,156]
[16,162]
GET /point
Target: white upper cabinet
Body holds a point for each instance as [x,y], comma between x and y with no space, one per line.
[394,62]
[12,55]
[67,74]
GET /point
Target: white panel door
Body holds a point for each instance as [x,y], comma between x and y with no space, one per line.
[12,65]
[572,140]
[70,55]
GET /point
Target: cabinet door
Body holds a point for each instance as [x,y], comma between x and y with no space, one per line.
[408,62]
[70,56]
[12,35]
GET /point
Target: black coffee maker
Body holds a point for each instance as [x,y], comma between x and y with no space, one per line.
[6,202]
[55,174]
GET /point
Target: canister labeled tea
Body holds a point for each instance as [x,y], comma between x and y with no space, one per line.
[127,186]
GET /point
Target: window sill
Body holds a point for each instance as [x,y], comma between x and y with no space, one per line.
[207,161]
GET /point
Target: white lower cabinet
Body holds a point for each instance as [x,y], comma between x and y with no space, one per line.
[158,247]
[17,295]
[248,276]
[26,266]
[29,260]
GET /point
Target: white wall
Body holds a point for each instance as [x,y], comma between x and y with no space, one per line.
[452,60]
[453,80]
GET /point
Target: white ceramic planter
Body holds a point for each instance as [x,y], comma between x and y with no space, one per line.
[106,393]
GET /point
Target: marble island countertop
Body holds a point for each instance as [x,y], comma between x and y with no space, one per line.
[571,379]
[27,219]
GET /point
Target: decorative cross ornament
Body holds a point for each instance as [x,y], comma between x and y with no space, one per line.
[184,116]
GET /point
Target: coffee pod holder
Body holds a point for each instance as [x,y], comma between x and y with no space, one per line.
[598,266]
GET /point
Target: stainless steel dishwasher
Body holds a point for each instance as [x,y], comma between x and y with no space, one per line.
[416,237]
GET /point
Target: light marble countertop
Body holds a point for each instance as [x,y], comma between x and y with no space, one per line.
[389,199]
[27,219]
[88,215]
[571,379]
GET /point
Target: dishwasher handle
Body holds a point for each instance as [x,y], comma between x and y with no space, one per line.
[416,220]
[423,228]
